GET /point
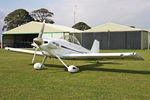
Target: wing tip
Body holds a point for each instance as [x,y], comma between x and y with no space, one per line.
[138,56]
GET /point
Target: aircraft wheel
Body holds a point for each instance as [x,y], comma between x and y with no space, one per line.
[73,69]
[37,66]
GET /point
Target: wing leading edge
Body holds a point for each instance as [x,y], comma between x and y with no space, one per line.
[23,51]
[101,56]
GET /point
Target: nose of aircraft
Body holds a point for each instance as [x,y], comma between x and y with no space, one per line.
[38,41]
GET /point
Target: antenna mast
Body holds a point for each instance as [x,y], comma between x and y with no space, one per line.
[75,14]
[74,18]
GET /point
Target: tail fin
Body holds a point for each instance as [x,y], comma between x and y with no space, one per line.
[95,47]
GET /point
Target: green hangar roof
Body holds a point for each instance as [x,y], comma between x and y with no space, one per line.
[34,27]
[112,28]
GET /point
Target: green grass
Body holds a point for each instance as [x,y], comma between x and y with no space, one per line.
[109,80]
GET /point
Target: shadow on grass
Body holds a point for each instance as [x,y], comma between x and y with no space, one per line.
[118,70]
[93,67]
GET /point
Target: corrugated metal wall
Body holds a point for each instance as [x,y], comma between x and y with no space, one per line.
[87,40]
[117,40]
[133,40]
[144,40]
[113,40]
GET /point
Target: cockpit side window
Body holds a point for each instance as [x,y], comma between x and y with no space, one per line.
[71,39]
[56,44]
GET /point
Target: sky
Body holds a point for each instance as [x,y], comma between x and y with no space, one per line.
[93,12]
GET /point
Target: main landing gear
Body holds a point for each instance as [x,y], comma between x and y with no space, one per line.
[70,68]
[40,65]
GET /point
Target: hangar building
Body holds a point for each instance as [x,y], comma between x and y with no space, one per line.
[22,36]
[115,36]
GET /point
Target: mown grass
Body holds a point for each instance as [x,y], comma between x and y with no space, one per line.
[108,80]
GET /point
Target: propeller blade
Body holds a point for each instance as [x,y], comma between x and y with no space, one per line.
[42,30]
[38,40]
[34,45]
[34,55]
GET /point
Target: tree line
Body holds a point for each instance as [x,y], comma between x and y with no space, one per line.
[21,16]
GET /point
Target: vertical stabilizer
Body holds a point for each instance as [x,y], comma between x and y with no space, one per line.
[95,47]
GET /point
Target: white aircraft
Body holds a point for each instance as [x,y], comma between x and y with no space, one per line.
[69,48]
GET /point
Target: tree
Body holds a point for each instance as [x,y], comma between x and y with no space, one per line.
[42,14]
[81,26]
[132,26]
[16,18]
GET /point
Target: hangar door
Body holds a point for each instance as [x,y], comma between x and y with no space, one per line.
[18,40]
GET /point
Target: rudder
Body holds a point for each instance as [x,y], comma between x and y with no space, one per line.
[95,47]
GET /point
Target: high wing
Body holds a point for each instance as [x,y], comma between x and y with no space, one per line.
[23,51]
[101,56]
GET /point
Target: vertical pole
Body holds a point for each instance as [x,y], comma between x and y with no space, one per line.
[148,39]
[125,40]
[108,39]
[74,17]
[142,40]
[51,35]
[64,35]
[75,14]
[1,40]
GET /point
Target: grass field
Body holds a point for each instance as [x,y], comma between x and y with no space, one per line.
[108,80]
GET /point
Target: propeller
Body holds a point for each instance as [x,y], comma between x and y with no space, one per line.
[38,40]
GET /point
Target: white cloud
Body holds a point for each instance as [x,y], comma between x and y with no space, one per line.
[96,12]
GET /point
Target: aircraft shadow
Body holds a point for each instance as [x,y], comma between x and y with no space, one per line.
[93,68]
[117,70]
[96,67]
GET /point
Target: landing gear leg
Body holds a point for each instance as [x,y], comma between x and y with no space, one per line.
[97,61]
[43,61]
[71,68]
[62,62]
[38,65]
